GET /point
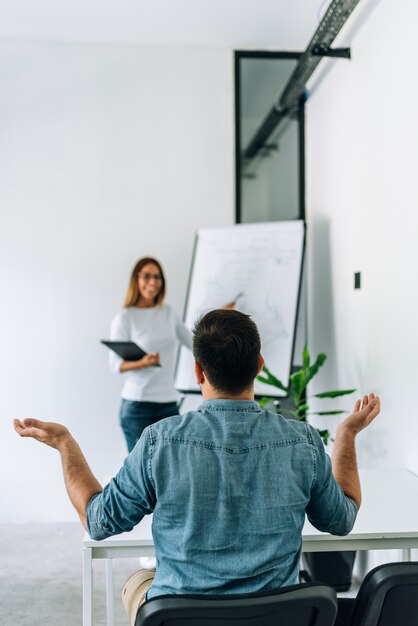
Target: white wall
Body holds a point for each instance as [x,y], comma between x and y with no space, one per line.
[107,153]
[111,152]
[362,199]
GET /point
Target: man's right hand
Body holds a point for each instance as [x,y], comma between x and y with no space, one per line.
[50,433]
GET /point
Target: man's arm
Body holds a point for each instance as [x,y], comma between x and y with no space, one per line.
[79,480]
[344,462]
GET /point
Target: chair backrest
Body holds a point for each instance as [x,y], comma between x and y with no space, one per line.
[299,605]
[388,596]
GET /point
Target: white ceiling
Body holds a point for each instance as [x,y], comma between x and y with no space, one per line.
[276,24]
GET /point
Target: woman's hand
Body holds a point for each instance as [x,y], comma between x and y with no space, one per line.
[230,306]
[149,360]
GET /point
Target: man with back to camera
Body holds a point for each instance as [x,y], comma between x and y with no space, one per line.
[229,484]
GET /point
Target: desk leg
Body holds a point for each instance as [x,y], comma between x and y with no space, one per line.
[363,562]
[87,587]
[109,593]
[406,554]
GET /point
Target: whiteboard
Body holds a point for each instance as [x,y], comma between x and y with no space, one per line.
[259,266]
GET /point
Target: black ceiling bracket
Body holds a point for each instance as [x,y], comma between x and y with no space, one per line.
[332,22]
[260,138]
[271,146]
[322,50]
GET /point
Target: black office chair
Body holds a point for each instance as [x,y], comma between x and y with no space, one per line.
[310,604]
[388,596]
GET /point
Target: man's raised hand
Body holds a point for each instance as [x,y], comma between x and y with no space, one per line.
[51,434]
[364,412]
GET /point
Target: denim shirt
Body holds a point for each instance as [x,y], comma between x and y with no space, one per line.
[228,485]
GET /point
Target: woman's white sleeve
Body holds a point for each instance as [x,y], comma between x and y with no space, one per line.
[119,331]
[183,334]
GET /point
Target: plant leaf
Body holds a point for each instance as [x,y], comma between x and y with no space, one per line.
[313,369]
[302,410]
[272,404]
[286,412]
[334,394]
[298,383]
[269,379]
[324,434]
[264,400]
[306,359]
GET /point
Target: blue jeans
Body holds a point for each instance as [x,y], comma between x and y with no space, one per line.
[137,415]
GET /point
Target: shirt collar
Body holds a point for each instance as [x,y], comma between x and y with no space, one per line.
[239,406]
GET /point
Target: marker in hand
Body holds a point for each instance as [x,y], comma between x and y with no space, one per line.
[231,305]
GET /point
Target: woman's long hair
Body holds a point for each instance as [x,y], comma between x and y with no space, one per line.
[133,296]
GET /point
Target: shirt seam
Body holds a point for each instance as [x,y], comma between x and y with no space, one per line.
[213,446]
[217,409]
[150,454]
[314,455]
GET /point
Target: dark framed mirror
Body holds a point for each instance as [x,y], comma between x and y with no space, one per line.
[270,178]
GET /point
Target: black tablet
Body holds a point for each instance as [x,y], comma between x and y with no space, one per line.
[127,350]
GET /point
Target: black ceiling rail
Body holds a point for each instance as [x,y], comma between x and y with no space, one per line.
[320,45]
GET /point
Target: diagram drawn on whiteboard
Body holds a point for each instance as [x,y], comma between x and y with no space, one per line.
[258,266]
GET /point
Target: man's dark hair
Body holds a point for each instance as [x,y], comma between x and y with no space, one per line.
[226,344]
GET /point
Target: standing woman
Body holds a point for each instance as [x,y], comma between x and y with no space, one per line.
[148,394]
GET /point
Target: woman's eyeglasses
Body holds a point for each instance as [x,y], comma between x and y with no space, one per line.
[146,276]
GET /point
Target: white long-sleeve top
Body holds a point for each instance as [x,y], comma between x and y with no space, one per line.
[154,329]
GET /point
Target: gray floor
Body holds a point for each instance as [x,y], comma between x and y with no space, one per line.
[41,577]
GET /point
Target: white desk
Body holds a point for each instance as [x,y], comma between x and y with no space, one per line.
[388,519]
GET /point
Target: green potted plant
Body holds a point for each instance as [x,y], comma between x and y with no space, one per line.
[333,568]
[298,407]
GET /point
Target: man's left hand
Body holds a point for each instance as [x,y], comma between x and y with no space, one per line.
[364,413]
